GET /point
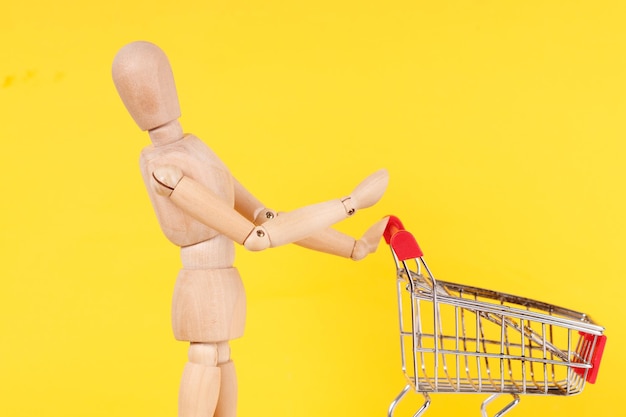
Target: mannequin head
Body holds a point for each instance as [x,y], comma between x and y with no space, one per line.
[144,80]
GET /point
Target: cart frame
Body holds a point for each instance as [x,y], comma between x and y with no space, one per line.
[460,339]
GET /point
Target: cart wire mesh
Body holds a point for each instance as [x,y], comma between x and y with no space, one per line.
[460,339]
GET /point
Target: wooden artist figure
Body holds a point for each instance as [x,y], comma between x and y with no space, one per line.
[203,209]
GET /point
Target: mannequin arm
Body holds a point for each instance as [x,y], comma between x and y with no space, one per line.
[327,240]
[337,243]
[298,224]
[203,205]
[250,207]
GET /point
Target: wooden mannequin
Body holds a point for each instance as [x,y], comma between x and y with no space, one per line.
[202,209]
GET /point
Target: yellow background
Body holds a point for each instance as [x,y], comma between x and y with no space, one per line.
[501,124]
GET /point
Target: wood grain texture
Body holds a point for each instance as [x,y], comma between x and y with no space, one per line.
[208,305]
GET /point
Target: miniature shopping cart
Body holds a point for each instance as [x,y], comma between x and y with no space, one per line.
[460,339]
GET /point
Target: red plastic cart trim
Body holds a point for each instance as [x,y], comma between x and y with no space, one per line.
[402,242]
[393,225]
[587,344]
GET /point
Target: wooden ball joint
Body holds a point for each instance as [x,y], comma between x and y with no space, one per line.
[203,209]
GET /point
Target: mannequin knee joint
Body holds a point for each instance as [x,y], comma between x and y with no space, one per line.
[211,354]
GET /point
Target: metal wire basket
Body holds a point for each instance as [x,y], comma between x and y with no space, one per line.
[461,339]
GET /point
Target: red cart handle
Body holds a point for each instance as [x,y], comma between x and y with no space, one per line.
[402,242]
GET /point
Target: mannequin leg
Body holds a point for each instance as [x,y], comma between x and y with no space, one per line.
[227,402]
[200,384]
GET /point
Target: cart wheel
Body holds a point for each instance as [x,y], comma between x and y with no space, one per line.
[395,402]
[506,409]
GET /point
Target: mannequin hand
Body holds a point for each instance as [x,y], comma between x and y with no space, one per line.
[369,241]
[370,190]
